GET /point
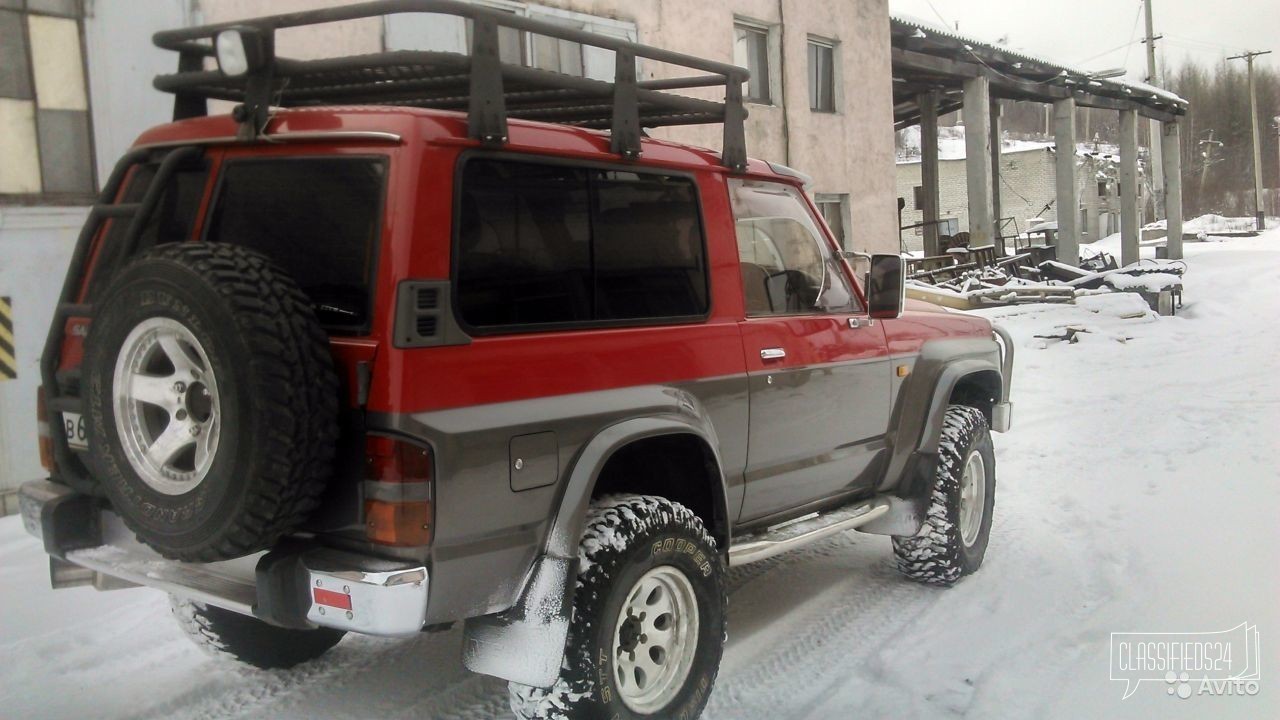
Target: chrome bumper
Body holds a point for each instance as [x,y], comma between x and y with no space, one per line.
[306,587]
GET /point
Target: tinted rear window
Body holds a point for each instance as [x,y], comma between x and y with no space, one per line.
[553,245]
[318,218]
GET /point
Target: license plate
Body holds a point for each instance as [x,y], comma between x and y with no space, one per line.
[73,426]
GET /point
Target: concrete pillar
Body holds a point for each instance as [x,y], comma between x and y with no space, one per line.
[1129,232]
[1157,168]
[929,170]
[977,143]
[1068,191]
[1170,149]
[996,142]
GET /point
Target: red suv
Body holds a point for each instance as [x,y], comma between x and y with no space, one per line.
[417,338]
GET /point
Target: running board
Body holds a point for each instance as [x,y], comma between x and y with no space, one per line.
[798,533]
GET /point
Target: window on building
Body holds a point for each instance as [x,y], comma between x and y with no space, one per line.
[822,75]
[787,265]
[833,208]
[443,33]
[752,49]
[44,101]
[919,197]
[543,245]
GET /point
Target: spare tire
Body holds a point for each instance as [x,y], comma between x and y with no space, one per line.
[211,400]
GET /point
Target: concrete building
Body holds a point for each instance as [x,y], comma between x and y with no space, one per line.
[75,90]
[1028,192]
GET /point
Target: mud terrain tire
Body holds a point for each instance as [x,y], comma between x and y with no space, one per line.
[247,639]
[939,554]
[215,342]
[628,542]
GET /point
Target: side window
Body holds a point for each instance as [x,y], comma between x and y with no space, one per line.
[524,256]
[787,265]
[546,245]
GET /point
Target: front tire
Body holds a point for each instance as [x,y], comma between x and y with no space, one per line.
[648,618]
[957,526]
[249,640]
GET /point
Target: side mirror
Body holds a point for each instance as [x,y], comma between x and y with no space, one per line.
[886,286]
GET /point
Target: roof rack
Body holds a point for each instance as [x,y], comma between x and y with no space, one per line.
[488,89]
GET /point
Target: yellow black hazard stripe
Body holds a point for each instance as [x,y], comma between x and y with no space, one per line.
[8,356]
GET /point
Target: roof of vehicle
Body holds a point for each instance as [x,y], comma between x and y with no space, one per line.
[372,124]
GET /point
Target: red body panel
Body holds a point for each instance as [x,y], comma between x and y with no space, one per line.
[415,242]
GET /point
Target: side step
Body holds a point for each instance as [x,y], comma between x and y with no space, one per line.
[791,535]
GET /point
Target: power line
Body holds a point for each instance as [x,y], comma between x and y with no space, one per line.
[1107,52]
[941,19]
[1136,18]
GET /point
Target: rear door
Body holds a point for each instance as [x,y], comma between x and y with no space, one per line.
[818,367]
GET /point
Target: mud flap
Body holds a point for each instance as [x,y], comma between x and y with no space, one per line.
[525,643]
[907,510]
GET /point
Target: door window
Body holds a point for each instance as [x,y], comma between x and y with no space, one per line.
[787,266]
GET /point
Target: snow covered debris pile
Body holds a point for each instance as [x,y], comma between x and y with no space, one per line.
[1146,282]
[1158,282]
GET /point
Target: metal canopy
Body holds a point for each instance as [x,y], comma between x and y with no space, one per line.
[927,58]
[479,83]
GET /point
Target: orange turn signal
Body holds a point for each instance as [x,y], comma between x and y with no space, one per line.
[402,524]
[42,431]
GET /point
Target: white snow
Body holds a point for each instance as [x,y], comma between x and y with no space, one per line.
[1150,282]
[1138,492]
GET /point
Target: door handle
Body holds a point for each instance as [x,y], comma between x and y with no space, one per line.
[772,354]
[857,322]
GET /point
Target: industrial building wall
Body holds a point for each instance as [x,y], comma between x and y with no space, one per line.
[36,237]
[1027,185]
[849,152]
[1028,190]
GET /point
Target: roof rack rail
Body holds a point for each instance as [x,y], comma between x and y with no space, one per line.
[488,89]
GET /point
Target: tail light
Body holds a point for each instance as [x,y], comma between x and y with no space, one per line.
[42,431]
[398,492]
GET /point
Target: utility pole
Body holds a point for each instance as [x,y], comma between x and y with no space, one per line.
[1259,214]
[1206,153]
[1153,128]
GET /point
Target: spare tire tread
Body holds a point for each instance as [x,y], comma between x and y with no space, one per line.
[295,381]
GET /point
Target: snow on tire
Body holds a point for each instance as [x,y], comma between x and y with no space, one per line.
[648,618]
[249,640]
[957,526]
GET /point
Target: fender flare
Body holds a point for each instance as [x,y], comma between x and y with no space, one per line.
[910,473]
[535,630]
[562,537]
[947,382]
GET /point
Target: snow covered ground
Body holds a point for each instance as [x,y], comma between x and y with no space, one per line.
[1138,492]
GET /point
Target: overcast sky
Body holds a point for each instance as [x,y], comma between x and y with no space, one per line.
[1096,34]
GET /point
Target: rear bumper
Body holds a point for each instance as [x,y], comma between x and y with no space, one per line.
[298,584]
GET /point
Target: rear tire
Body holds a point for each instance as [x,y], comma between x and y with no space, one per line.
[650,582]
[957,526]
[249,640]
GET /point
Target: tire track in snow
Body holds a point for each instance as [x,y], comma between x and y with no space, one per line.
[331,674]
[816,639]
